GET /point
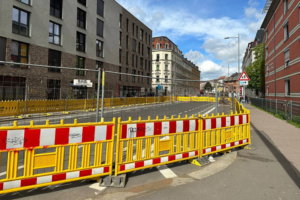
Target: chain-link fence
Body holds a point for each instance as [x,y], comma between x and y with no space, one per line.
[288,110]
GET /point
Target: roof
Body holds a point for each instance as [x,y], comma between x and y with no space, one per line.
[221,77]
[270,12]
[260,36]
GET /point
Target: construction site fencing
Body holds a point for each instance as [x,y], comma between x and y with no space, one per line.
[288,110]
[42,155]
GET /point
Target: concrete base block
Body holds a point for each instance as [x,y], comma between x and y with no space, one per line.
[113,181]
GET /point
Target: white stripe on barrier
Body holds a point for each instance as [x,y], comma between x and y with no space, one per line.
[11,184]
[179,126]
[228,121]
[244,119]
[148,162]
[192,125]
[15,139]
[164,159]
[236,120]
[97,171]
[228,145]
[192,154]
[44,179]
[131,130]
[70,175]
[100,133]
[165,127]
[149,129]
[47,137]
[236,143]
[129,166]
[75,134]
[179,156]
[208,124]
[219,148]
[218,125]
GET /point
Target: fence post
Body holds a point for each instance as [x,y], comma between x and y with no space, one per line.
[291,109]
[285,110]
[276,106]
[262,103]
[270,105]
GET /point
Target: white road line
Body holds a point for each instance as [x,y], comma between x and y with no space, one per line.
[97,187]
[209,111]
[3,173]
[166,172]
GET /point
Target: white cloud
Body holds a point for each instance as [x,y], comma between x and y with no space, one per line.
[194,56]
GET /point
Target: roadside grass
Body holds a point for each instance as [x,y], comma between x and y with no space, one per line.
[280,115]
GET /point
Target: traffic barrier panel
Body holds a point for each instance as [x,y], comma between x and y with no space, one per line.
[43,155]
[150,143]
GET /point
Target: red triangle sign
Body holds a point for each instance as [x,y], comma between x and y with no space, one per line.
[244,77]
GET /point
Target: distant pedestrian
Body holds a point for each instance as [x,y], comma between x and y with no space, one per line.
[246,99]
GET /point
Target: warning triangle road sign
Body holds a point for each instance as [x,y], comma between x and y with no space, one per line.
[244,77]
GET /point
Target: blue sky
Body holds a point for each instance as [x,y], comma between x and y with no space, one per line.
[198,27]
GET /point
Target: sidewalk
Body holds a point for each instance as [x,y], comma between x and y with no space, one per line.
[285,136]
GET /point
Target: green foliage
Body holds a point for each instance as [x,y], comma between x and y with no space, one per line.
[256,71]
[208,86]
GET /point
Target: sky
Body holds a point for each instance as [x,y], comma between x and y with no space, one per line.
[198,28]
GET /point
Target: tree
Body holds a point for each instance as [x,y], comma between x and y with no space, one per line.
[208,86]
[256,71]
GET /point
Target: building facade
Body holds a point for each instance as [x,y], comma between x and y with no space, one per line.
[74,34]
[282,55]
[169,65]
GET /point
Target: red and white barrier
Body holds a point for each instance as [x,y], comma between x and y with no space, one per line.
[158,128]
[155,161]
[30,138]
[224,146]
[52,178]
[222,122]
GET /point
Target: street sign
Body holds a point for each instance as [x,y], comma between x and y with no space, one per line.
[244,77]
[80,82]
[159,87]
[244,82]
[220,89]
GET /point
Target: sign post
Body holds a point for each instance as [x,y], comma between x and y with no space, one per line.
[244,78]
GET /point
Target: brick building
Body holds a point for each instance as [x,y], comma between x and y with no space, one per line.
[282,52]
[169,64]
[75,34]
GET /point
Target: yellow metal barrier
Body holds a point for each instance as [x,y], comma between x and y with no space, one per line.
[145,144]
[42,155]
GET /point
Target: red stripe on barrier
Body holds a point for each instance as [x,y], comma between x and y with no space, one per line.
[124,131]
[3,138]
[172,126]
[232,144]
[62,136]
[213,149]
[223,146]
[196,153]
[156,161]
[185,155]
[88,134]
[197,124]
[204,151]
[213,123]
[232,121]
[58,177]
[157,128]
[241,142]
[106,170]
[122,167]
[109,132]
[87,172]
[186,125]
[241,119]
[247,119]
[28,182]
[31,138]
[204,124]
[223,121]
[173,157]
[247,140]
[1,186]
[139,164]
[141,130]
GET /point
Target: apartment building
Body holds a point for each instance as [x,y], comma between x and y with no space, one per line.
[282,55]
[75,34]
[169,65]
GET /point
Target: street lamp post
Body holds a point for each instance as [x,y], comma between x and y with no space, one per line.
[238,37]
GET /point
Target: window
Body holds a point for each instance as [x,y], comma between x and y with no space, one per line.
[138,76]
[166,67]
[141,63]
[148,52]
[286,58]
[149,66]
[54,59]
[127,24]
[137,31]
[54,33]
[267,52]
[287,87]
[120,70]
[80,42]
[100,7]
[142,49]
[80,64]
[120,55]
[53,89]
[19,53]
[100,25]
[160,39]
[146,36]
[127,41]
[266,34]
[139,47]
[142,78]
[157,57]
[99,65]
[145,64]
[127,58]
[12,88]
[132,60]
[81,18]
[285,6]
[2,49]
[126,74]
[20,24]
[166,57]
[167,46]
[83,2]
[166,79]
[157,67]
[120,21]
[133,45]
[25,1]
[157,46]
[268,90]
[99,48]
[141,34]
[157,78]
[286,31]
[56,8]
[133,29]
[133,77]
[148,79]
[120,39]
[136,61]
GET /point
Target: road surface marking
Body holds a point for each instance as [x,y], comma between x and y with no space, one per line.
[166,172]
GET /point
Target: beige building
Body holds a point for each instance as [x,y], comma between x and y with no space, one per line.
[169,65]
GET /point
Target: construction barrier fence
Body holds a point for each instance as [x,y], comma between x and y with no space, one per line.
[42,155]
